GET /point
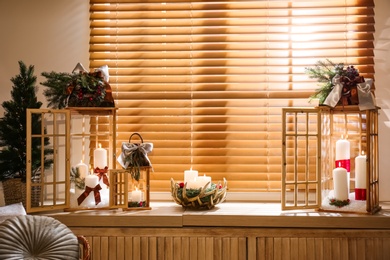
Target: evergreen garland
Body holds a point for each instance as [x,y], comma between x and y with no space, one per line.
[74,89]
[195,192]
[13,128]
[339,203]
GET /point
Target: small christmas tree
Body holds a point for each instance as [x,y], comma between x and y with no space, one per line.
[13,128]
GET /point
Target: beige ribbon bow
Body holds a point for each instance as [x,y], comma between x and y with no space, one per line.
[129,148]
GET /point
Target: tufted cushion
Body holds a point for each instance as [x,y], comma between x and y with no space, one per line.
[37,237]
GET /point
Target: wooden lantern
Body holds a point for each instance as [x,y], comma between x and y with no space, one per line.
[74,133]
[309,158]
[127,192]
[360,128]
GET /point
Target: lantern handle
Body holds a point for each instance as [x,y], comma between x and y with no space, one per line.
[140,137]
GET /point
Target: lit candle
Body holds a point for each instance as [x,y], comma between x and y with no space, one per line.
[340,183]
[203,180]
[360,177]
[137,195]
[190,175]
[82,169]
[343,156]
[100,157]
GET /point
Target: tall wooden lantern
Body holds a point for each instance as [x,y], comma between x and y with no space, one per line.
[76,135]
[129,192]
[93,146]
[330,159]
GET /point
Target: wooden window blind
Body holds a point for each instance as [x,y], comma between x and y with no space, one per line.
[206,81]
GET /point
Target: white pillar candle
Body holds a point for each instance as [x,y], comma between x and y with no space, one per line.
[91,180]
[343,156]
[192,184]
[82,169]
[100,157]
[340,183]
[137,195]
[203,180]
[360,172]
[190,175]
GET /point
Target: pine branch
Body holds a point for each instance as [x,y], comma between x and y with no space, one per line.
[324,72]
[76,178]
[56,84]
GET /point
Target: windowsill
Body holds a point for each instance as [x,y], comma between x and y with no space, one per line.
[227,214]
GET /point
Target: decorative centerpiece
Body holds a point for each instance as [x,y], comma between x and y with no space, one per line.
[205,197]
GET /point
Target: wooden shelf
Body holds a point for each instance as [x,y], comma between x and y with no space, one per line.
[227,214]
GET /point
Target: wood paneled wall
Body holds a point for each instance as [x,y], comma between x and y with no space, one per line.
[236,243]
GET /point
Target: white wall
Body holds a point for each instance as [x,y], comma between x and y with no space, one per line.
[54,35]
[51,35]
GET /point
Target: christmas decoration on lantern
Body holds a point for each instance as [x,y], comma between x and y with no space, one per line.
[79,88]
[340,85]
[135,155]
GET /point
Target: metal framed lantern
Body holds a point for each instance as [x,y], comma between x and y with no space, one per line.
[130,192]
[313,154]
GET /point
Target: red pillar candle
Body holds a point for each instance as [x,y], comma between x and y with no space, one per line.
[360,177]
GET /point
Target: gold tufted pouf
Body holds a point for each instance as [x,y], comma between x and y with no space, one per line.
[37,237]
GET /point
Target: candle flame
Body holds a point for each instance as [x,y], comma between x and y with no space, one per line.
[362,152]
[100,145]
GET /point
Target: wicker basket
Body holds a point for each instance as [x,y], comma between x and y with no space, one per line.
[15,192]
[205,198]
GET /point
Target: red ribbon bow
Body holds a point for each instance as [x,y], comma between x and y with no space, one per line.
[102,173]
[96,194]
